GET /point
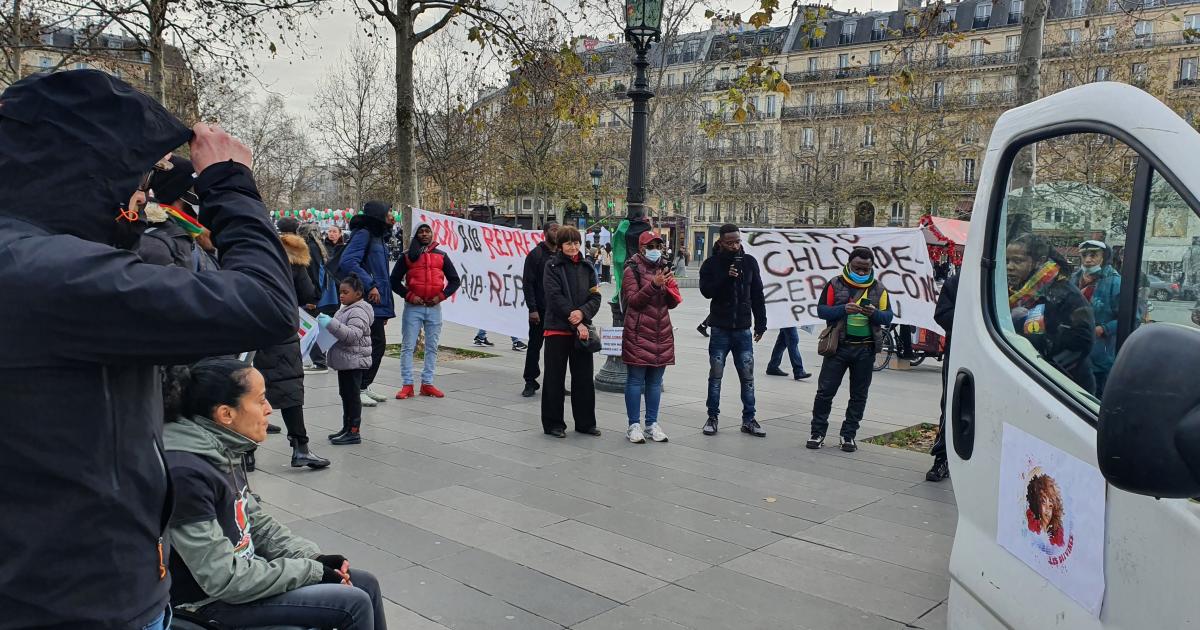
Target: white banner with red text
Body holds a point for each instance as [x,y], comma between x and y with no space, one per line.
[490,259]
[796,264]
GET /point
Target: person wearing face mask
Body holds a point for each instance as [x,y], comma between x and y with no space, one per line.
[856,302]
[731,279]
[1100,285]
[648,293]
[84,541]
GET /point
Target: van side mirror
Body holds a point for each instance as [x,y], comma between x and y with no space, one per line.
[1148,438]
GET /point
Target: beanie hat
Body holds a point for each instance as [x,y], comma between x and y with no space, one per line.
[288,225]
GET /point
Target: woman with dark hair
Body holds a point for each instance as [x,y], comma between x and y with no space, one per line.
[231,562]
[648,293]
[1045,512]
[572,300]
[1048,310]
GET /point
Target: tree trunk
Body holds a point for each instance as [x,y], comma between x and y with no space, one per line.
[158,19]
[405,148]
[18,48]
[1029,82]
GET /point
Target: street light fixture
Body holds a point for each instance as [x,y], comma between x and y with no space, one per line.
[596,175]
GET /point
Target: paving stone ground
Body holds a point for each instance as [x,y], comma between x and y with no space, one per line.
[472,518]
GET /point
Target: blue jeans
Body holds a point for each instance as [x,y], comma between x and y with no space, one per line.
[416,318]
[740,342]
[358,607]
[643,379]
[788,339]
[482,334]
[161,623]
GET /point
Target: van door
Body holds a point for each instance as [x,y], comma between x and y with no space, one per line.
[1107,168]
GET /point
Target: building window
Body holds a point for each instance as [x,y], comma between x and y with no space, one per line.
[864,171]
[527,204]
[839,98]
[44,62]
[835,171]
[771,104]
[939,92]
[835,139]
[868,135]
[910,21]
[875,58]
[1008,83]
[1102,73]
[814,64]
[1114,6]
[1012,43]
[768,139]
[898,172]
[1191,28]
[946,17]
[943,54]
[1073,37]
[933,165]
[1068,78]
[806,138]
[872,96]
[968,168]
[670,80]
[1187,69]
[1077,8]
[848,29]
[974,87]
[843,61]
[897,213]
[1056,215]
[879,31]
[716,215]
[1015,9]
[983,14]
[810,103]
[977,48]
[1143,33]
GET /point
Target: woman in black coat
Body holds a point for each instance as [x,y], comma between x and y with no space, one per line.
[572,300]
[281,365]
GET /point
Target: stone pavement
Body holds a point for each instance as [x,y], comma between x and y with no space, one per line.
[472,518]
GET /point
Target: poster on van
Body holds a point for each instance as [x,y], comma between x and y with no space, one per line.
[1051,515]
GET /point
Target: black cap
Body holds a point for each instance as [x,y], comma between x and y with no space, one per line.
[172,185]
[288,225]
[376,210]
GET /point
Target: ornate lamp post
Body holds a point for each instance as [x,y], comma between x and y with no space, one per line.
[643,22]
[596,175]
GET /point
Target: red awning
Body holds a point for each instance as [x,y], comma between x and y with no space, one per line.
[943,231]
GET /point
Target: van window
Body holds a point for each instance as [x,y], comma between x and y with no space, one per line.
[1169,273]
[1061,193]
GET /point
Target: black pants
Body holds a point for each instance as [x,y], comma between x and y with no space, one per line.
[561,350]
[939,445]
[349,386]
[860,361]
[534,354]
[378,347]
[293,418]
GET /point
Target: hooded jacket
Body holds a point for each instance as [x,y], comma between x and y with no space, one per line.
[225,546]
[648,338]
[366,256]
[86,324]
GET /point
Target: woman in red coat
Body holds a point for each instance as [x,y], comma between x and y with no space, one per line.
[648,292]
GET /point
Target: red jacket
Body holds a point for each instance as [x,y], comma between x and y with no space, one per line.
[430,276]
[648,338]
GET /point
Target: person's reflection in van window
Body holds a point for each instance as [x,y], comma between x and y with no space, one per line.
[1100,285]
[1048,310]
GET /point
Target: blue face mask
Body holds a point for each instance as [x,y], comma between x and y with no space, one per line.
[1092,270]
[653,255]
[859,278]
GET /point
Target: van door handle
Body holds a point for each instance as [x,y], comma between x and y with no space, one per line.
[962,414]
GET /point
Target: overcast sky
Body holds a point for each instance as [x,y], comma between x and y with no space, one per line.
[294,72]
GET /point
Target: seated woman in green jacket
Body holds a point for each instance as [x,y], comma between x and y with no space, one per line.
[230,561]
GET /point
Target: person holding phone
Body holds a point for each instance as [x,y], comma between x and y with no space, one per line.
[648,293]
[732,281]
[858,303]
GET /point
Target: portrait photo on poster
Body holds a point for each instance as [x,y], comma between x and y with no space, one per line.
[1051,515]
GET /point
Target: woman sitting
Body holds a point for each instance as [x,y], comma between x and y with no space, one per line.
[230,561]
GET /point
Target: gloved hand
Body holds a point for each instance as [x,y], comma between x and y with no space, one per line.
[332,561]
[323,320]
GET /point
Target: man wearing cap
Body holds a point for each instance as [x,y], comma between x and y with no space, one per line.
[366,256]
[171,236]
[84,485]
[1100,285]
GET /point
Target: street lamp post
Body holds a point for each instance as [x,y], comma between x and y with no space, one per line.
[596,175]
[643,22]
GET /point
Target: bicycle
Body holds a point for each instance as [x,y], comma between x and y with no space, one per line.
[891,347]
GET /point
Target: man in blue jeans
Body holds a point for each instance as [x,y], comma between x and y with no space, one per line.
[731,280]
[788,339]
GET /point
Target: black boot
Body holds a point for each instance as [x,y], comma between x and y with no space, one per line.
[248,461]
[710,427]
[344,430]
[351,436]
[301,456]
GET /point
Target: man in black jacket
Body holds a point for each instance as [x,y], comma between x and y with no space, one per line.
[731,279]
[535,299]
[943,314]
[86,492]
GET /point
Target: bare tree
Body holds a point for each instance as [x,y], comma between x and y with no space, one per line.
[64,31]
[350,115]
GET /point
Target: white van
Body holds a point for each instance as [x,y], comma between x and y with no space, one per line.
[1106,163]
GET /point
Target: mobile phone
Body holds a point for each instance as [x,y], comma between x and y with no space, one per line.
[865,303]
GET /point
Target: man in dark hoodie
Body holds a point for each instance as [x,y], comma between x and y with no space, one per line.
[535,299]
[424,276]
[366,256]
[87,492]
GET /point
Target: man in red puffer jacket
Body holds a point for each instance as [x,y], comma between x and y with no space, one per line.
[424,276]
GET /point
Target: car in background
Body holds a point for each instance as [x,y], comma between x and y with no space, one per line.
[1163,290]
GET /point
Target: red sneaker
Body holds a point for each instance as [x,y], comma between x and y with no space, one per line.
[430,390]
[405,392]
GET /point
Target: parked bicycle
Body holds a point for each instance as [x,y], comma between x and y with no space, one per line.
[929,345]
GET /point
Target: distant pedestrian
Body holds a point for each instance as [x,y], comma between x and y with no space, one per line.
[424,276]
[732,281]
[789,341]
[572,300]
[481,339]
[535,300]
[648,293]
[858,305]
[351,355]
[366,256]
[606,263]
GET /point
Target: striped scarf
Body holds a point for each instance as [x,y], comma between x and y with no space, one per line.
[1029,294]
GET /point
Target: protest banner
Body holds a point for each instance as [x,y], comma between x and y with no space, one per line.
[796,264]
[490,260]
[610,341]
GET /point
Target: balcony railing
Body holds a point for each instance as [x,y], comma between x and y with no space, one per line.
[959,101]
[1186,83]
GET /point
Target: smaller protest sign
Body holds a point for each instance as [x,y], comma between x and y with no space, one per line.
[610,341]
[307,330]
[325,340]
[1051,515]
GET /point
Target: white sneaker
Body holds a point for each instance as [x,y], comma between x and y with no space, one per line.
[366,400]
[635,434]
[376,396]
[656,433]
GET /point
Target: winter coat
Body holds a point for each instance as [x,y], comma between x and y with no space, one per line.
[316,254]
[166,244]
[734,300]
[352,327]
[301,261]
[86,326]
[225,546]
[570,285]
[648,338]
[1105,306]
[943,311]
[838,293]
[532,276]
[431,275]
[1061,327]
[366,256]
[282,366]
